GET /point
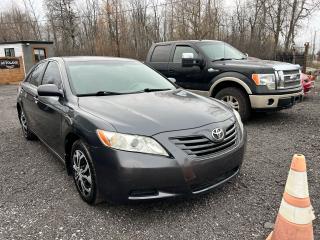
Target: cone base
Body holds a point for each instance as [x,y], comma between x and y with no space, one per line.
[285,230]
[270,236]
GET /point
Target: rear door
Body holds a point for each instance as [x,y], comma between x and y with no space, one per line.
[51,109]
[187,77]
[159,58]
[30,95]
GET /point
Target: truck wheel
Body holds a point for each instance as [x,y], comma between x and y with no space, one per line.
[237,99]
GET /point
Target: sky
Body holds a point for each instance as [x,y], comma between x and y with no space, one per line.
[305,33]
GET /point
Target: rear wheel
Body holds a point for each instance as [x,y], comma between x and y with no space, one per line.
[237,99]
[25,127]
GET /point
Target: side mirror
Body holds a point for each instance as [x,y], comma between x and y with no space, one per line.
[173,80]
[49,90]
[247,55]
[188,60]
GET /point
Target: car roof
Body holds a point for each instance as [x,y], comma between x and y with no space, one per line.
[186,41]
[91,58]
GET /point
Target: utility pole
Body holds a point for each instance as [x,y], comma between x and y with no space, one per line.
[305,58]
[314,45]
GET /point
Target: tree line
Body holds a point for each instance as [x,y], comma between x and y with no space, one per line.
[127,28]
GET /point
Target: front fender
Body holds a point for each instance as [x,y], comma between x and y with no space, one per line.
[235,77]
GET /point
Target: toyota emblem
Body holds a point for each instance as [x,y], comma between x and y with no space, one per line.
[217,134]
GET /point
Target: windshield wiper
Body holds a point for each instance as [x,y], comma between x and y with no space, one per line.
[100,93]
[155,89]
[222,59]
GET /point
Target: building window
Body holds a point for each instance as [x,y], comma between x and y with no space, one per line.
[39,54]
[9,52]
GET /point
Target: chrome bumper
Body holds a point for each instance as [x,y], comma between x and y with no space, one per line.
[271,101]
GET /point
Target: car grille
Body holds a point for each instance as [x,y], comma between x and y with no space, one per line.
[199,145]
[291,78]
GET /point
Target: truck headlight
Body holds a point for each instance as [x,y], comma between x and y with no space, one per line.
[131,143]
[238,117]
[268,80]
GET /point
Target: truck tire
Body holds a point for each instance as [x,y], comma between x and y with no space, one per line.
[237,99]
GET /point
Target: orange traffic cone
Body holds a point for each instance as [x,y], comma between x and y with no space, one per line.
[294,220]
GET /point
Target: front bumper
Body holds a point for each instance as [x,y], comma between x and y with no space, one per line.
[123,176]
[275,101]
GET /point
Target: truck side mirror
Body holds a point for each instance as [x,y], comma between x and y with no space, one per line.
[173,80]
[188,60]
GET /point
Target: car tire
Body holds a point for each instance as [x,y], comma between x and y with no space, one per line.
[25,127]
[83,173]
[237,99]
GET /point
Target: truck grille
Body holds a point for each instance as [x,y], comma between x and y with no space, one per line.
[289,79]
[199,145]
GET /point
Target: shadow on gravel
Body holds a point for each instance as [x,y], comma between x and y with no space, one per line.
[269,118]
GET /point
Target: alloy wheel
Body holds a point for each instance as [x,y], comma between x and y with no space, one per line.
[82,173]
[24,123]
[232,101]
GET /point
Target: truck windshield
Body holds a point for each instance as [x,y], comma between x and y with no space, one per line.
[220,50]
[108,77]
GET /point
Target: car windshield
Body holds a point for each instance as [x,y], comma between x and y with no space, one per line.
[220,50]
[114,77]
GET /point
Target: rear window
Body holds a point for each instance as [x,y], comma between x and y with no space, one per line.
[161,53]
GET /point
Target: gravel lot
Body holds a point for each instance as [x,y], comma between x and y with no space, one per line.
[39,201]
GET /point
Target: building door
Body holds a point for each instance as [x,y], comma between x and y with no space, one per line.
[39,54]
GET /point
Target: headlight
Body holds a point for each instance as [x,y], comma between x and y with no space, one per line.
[268,80]
[238,119]
[132,143]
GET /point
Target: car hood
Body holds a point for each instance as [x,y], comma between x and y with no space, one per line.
[256,63]
[154,112]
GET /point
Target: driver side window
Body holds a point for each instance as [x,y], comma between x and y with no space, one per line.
[52,75]
[177,57]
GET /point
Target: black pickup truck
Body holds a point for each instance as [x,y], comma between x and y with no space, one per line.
[227,74]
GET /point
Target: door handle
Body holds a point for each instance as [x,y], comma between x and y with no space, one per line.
[36,100]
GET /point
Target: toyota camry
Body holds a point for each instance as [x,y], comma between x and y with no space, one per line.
[125,132]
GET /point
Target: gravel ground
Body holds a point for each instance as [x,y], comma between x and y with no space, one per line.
[39,201]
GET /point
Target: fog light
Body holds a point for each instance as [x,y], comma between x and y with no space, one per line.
[144,193]
[270,101]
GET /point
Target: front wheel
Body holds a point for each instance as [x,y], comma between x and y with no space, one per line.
[83,172]
[237,99]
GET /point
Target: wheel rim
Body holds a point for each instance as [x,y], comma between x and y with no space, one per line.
[232,101]
[82,173]
[24,123]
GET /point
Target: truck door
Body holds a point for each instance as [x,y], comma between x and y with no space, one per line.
[186,77]
[160,57]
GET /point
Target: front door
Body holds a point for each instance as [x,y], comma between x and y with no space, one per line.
[51,110]
[186,77]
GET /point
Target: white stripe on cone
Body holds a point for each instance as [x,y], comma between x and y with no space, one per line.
[295,214]
[297,184]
